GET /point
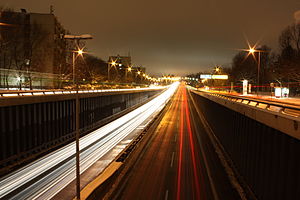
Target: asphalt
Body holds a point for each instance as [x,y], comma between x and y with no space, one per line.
[179,160]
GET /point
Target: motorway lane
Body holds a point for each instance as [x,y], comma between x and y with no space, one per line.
[178,162]
[157,164]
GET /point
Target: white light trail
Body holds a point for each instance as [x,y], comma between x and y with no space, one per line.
[59,165]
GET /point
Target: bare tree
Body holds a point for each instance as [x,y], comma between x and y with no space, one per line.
[287,67]
[11,41]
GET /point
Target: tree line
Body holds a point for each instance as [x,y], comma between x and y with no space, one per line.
[281,68]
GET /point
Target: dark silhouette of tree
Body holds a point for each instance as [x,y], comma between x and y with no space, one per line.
[12,54]
[245,66]
[21,45]
[287,66]
[91,69]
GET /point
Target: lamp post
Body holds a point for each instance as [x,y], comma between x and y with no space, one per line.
[76,39]
[113,63]
[252,50]
[126,73]
[137,76]
[79,53]
[217,69]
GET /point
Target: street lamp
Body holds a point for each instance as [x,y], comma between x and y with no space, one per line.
[80,52]
[129,68]
[76,39]
[111,64]
[217,69]
[251,51]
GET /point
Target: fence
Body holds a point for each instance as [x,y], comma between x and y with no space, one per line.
[20,79]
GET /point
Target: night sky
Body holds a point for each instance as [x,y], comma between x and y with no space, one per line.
[170,36]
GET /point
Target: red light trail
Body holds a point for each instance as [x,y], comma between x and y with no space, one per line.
[180,151]
[185,116]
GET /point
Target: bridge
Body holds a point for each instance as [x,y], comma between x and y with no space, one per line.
[173,142]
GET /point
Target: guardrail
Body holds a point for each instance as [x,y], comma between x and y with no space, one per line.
[49,92]
[282,107]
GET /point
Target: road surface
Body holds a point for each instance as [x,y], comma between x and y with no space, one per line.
[178,162]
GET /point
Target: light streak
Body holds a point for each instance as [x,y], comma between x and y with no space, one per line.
[59,166]
[180,151]
[187,113]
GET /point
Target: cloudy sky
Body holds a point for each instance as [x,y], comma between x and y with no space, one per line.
[170,36]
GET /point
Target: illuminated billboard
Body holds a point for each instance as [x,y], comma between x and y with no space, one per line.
[209,76]
[205,76]
[224,77]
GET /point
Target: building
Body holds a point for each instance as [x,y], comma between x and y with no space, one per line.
[121,70]
[122,61]
[32,43]
[118,67]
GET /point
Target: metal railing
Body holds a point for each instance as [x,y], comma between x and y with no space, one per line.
[61,92]
[264,147]
[286,108]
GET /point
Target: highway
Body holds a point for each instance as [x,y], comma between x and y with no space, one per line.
[178,161]
[45,177]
